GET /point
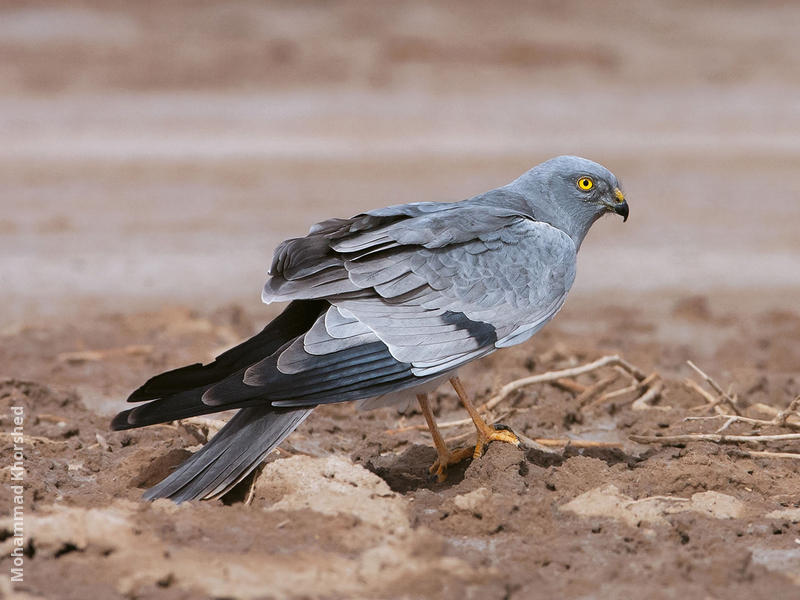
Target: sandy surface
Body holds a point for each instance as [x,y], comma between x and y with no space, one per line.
[154,154]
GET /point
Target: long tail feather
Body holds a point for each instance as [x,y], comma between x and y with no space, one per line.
[249,436]
[238,448]
[293,321]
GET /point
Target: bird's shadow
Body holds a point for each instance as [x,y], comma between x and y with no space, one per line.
[409,470]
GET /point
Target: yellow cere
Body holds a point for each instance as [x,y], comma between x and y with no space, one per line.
[619,195]
[585,184]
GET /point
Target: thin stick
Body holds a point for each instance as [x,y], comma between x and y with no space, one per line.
[644,402]
[730,419]
[569,385]
[715,386]
[554,442]
[782,417]
[638,385]
[616,394]
[792,420]
[595,390]
[712,437]
[424,427]
[554,377]
[547,444]
[767,454]
[513,386]
[711,402]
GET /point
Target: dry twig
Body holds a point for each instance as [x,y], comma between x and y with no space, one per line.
[782,418]
[550,376]
[561,378]
[711,402]
[652,394]
[592,392]
[570,385]
[731,419]
[718,438]
[767,454]
[722,395]
[558,442]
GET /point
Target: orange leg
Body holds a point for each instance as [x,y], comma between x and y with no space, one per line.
[445,457]
[486,433]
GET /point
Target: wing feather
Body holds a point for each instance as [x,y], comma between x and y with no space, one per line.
[435,285]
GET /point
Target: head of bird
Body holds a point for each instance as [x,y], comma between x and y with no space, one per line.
[571,193]
[579,182]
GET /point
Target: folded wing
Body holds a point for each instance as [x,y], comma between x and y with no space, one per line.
[436,284]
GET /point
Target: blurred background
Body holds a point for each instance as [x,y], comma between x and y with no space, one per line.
[156,152]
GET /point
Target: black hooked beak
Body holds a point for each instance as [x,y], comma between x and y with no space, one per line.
[620,205]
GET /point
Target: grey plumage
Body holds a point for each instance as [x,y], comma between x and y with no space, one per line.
[385,301]
[238,448]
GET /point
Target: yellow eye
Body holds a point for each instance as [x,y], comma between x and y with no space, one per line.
[585,184]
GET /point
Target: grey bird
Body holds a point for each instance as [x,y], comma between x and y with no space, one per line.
[385,306]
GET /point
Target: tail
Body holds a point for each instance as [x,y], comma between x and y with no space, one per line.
[178,394]
[249,436]
[231,455]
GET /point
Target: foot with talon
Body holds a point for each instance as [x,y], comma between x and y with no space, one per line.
[486,434]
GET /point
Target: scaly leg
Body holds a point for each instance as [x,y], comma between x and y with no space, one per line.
[445,457]
[486,433]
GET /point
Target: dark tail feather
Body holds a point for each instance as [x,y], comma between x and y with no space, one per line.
[178,406]
[239,447]
[293,321]
[249,436]
[178,394]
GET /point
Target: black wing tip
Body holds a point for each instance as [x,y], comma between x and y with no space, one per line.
[120,422]
[163,383]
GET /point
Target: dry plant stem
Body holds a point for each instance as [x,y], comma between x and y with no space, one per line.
[616,394]
[782,417]
[595,390]
[715,386]
[767,454]
[643,403]
[550,376]
[711,402]
[712,437]
[569,385]
[548,444]
[636,387]
[792,420]
[556,442]
[556,378]
[730,419]
[445,425]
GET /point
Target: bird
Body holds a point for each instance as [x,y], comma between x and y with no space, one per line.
[384,307]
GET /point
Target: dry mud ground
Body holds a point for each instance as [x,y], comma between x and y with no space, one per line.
[347,509]
[155,152]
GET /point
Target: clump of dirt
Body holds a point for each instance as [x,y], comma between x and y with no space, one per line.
[348,509]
